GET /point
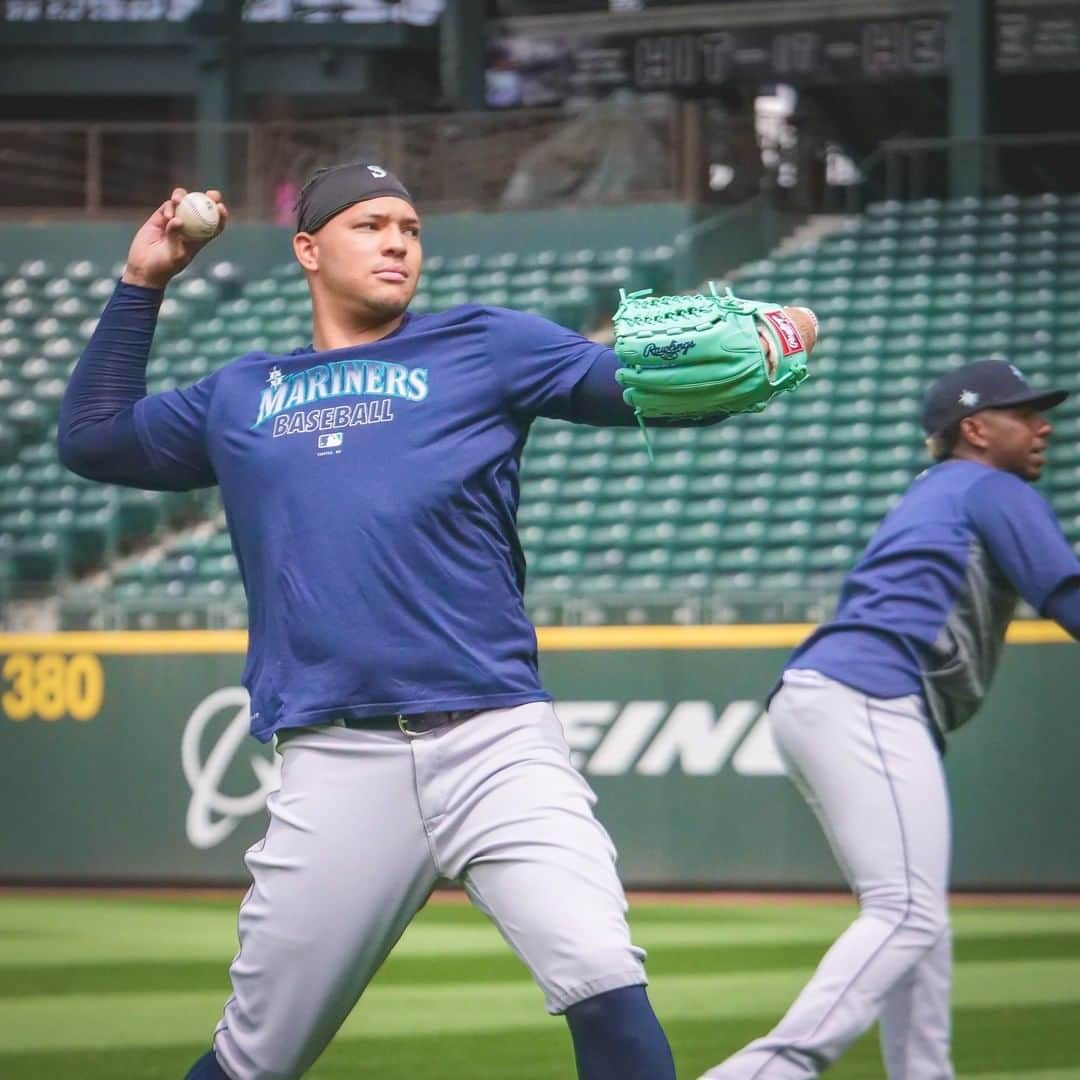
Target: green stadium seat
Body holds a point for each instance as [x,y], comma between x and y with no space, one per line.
[466,264]
[602,561]
[832,557]
[9,440]
[545,259]
[492,297]
[89,536]
[700,560]
[28,419]
[503,260]
[557,562]
[758,504]
[648,560]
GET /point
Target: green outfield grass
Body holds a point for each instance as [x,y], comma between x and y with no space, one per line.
[109,987]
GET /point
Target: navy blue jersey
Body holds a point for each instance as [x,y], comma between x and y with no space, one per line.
[926,607]
[371,494]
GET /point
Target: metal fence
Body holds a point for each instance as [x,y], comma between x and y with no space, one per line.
[452,161]
[477,161]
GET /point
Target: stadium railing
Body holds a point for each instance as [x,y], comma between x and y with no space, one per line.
[908,169]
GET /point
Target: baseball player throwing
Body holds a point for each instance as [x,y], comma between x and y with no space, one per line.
[865,704]
[370,483]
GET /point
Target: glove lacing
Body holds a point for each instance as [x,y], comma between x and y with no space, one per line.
[674,309]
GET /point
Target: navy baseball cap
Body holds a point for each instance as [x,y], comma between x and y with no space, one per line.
[986,384]
[331,190]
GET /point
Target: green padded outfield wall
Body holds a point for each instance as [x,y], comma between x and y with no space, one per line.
[125,758]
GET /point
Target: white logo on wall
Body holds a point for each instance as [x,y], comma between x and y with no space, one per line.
[606,738]
[650,738]
[212,815]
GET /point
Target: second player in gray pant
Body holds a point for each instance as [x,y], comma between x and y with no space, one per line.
[866,703]
[869,769]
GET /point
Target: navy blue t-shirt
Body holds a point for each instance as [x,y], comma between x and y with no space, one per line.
[371,494]
[926,607]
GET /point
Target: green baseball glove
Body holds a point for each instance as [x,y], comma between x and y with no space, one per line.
[688,357]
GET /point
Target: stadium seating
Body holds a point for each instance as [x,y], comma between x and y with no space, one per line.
[56,528]
[768,512]
[757,517]
[53,525]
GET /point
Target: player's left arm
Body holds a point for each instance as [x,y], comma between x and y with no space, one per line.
[600,400]
[1024,538]
[1063,607]
[546,370]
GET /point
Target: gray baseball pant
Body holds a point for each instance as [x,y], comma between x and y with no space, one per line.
[869,769]
[364,824]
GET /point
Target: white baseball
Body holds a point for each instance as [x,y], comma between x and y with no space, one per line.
[198,215]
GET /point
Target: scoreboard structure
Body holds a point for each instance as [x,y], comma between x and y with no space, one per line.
[697,54]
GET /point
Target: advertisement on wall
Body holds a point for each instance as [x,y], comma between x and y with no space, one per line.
[127,758]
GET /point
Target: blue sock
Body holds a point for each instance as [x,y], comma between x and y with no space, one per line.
[617,1037]
[207,1068]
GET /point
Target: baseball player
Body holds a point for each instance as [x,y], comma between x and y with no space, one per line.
[865,704]
[370,483]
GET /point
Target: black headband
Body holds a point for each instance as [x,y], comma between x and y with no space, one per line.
[329,191]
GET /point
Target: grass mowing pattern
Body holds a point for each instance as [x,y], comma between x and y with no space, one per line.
[104,987]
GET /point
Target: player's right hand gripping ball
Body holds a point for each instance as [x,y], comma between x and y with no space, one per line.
[199,216]
[693,356]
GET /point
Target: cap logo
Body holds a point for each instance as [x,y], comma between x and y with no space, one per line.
[969,398]
[1017,372]
[375,171]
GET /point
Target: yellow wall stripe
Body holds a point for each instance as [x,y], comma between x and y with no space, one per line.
[1035,632]
[745,636]
[133,642]
[552,638]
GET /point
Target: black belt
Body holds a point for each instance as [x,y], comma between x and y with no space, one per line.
[411,724]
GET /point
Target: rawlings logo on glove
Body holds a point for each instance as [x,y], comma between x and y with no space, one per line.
[669,351]
[690,357]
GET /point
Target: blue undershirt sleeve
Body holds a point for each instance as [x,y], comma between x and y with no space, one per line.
[108,429]
[1064,608]
[1024,538]
[598,399]
[547,370]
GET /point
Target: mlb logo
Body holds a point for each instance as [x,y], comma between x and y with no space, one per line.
[328,442]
